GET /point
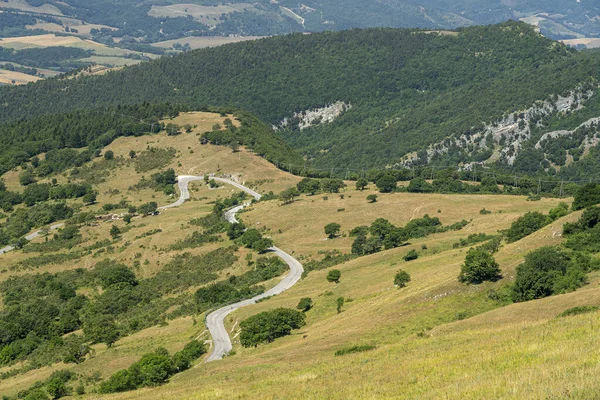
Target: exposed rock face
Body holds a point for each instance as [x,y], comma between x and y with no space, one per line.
[308,118]
[511,130]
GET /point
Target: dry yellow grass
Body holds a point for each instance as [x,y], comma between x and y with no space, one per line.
[519,351]
[16,78]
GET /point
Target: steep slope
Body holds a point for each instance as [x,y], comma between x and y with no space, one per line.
[401,90]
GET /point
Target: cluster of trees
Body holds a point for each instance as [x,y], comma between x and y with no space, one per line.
[383,234]
[162,181]
[584,235]
[270,325]
[153,369]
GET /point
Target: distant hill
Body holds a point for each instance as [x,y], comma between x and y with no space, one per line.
[370,98]
[158,21]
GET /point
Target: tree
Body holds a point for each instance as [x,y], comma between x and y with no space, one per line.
[479,266]
[419,185]
[132,154]
[586,196]
[411,255]
[361,184]
[305,304]
[235,230]
[372,198]
[386,183]
[332,185]
[262,245]
[289,195]
[75,349]
[270,325]
[89,197]
[26,177]
[110,273]
[109,155]
[127,218]
[334,276]
[115,232]
[148,208]
[154,368]
[250,237]
[340,304]
[101,329]
[57,389]
[309,186]
[332,230]
[401,278]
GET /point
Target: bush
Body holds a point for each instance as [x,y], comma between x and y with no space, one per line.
[526,225]
[401,278]
[109,155]
[479,266]
[545,272]
[578,310]
[305,304]
[411,255]
[334,276]
[372,198]
[354,349]
[270,325]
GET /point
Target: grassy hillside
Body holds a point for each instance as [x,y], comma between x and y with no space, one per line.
[436,337]
[402,90]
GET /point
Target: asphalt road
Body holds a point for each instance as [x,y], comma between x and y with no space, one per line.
[215,321]
[31,236]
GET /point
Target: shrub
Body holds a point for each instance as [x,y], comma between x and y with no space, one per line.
[483,211]
[411,255]
[372,198]
[361,183]
[578,310]
[305,304]
[270,325]
[109,155]
[334,276]
[354,349]
[479,266]
[401,278]
[340,303]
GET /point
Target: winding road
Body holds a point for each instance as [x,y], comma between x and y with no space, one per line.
[31,236]
[215,321]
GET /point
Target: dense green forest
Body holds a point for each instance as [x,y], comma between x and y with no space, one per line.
[404,89]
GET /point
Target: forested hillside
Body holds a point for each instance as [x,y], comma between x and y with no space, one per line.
[400,90]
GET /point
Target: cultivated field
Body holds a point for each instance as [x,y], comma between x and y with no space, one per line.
[200,42]
[16,78]
[208,15]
